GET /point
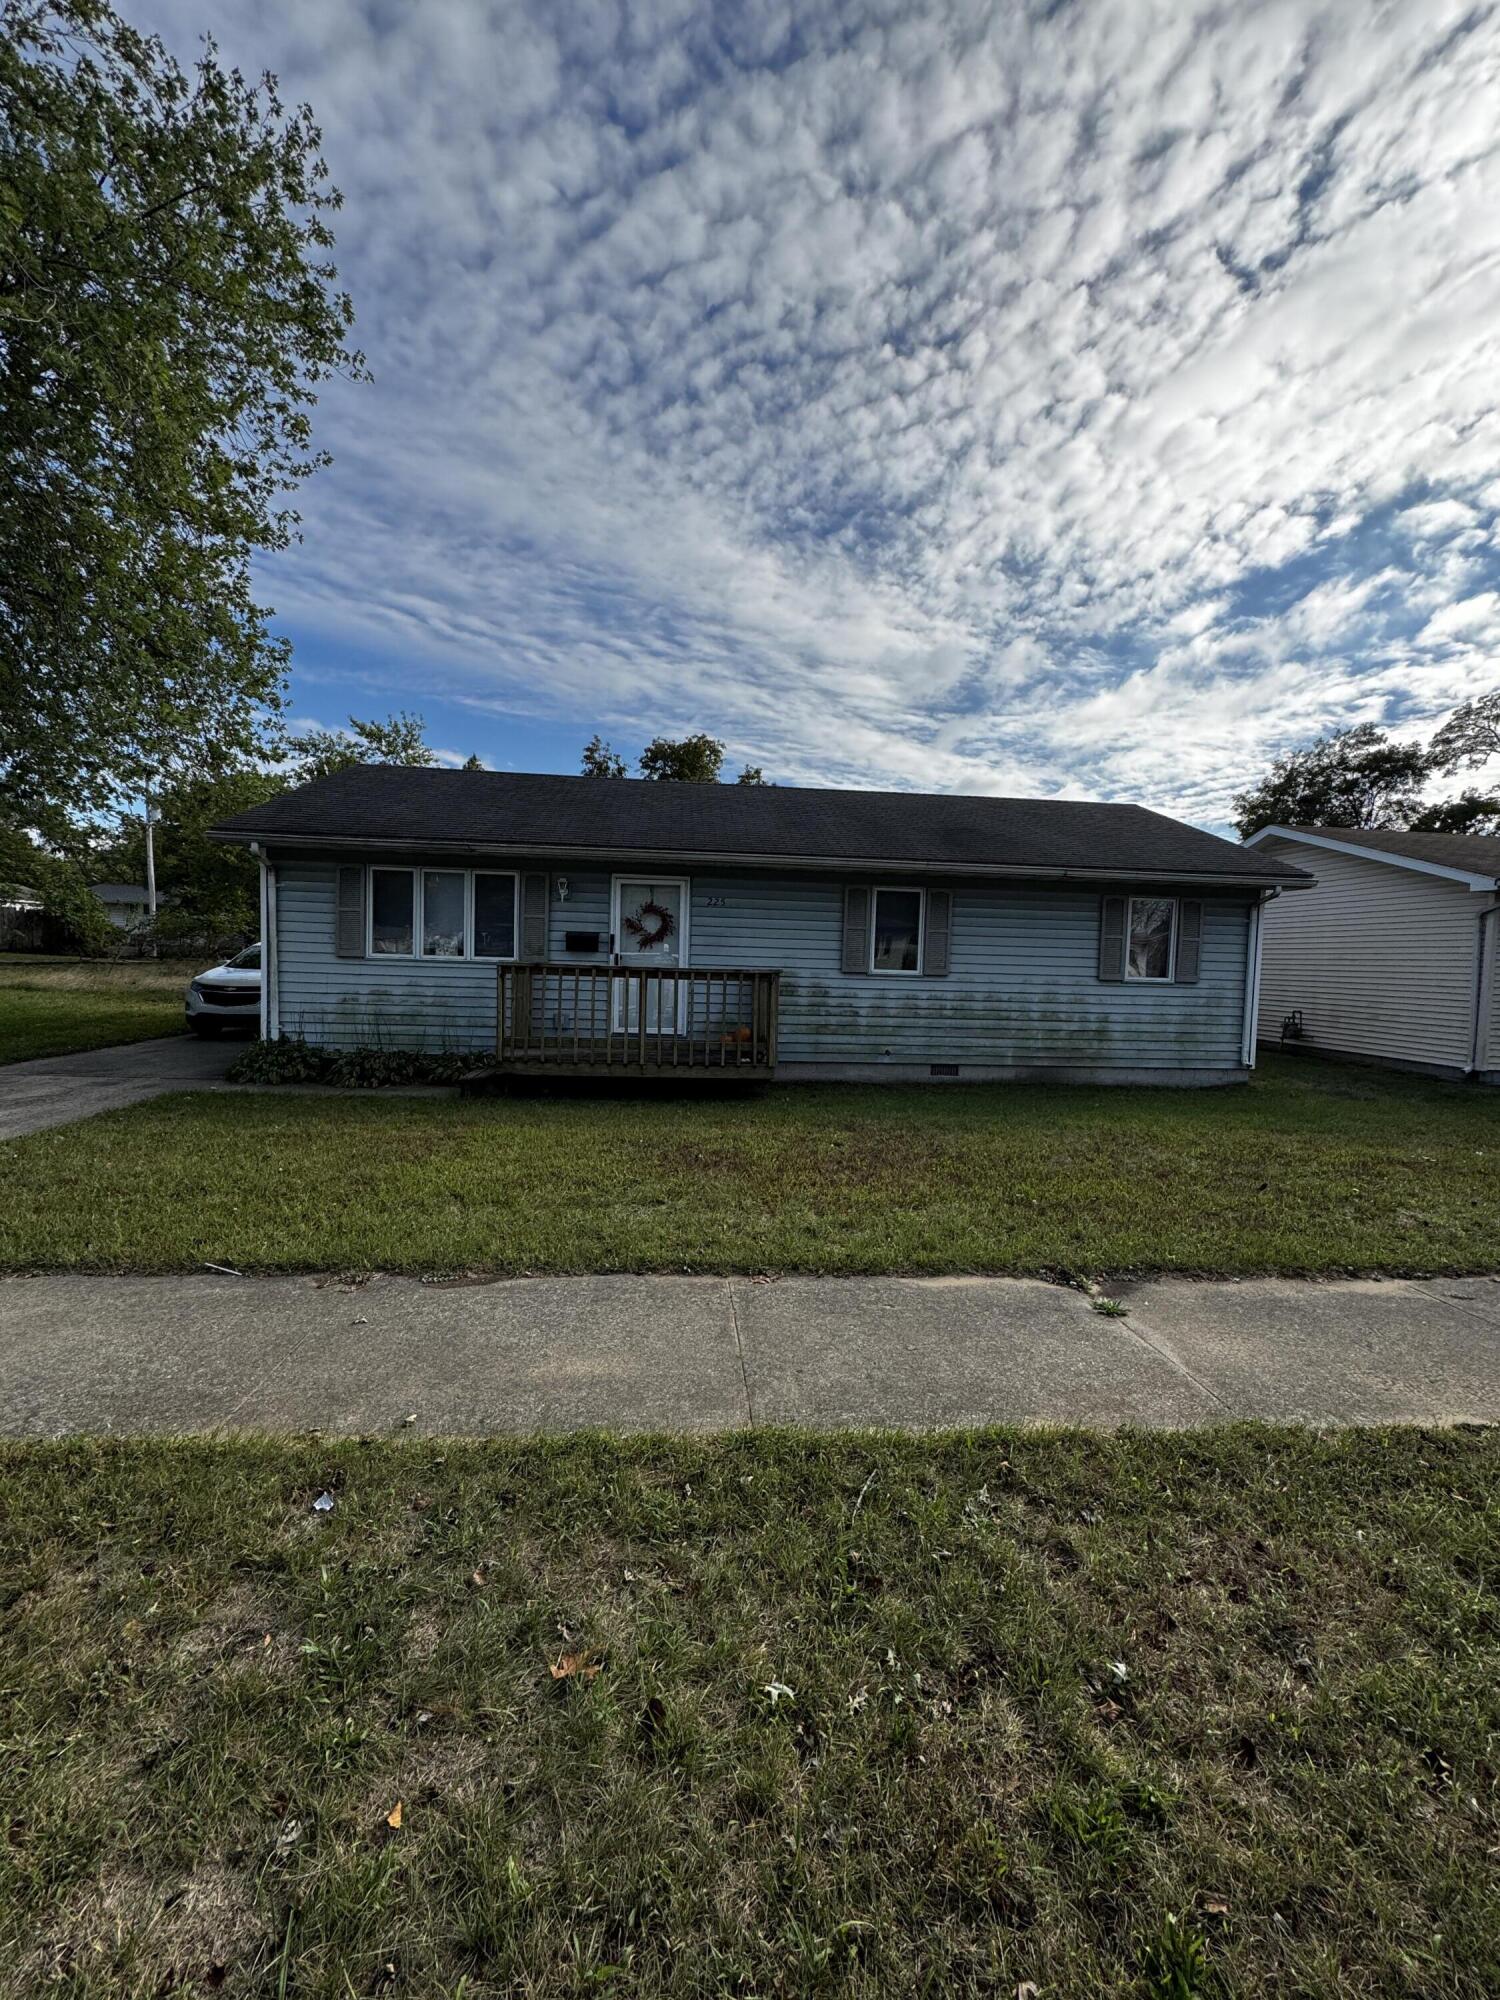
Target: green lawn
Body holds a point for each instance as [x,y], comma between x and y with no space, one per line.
[1313,1168]
[1159,1716]
[50,1007]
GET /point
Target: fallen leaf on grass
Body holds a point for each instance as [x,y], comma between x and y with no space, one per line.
[323,1504]
[576,1666]
[393,1817]
[1027,1990]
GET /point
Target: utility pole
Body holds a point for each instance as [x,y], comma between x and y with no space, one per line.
[150,862]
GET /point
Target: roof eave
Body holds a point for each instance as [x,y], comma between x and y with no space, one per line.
[722,858]
[1472,878]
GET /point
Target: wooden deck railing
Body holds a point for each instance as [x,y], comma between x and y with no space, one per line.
[647,1020]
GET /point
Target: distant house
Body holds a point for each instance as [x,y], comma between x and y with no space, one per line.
[125,903]
[578,924]
[23,922]
[1395,955]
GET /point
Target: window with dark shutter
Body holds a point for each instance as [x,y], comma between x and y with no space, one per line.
[1189,942]
[935,936]
[349,919]
[1112,937]
[856,956]
[533,916]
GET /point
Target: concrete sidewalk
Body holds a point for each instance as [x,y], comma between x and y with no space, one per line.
[210,1352]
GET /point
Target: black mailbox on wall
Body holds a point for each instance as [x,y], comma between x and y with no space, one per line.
[581,940]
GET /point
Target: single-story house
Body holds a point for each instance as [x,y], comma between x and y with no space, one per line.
[579,923]
[1394,955]
[126,904]
[23,921]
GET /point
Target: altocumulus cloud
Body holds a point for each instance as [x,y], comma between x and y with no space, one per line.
[1087,398]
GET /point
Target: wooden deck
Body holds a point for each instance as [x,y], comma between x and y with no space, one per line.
[584,1020]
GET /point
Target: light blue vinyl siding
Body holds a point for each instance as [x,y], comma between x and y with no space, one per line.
[1023,987]
[437,1004]
[1022,990]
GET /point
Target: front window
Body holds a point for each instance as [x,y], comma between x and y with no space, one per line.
[247,960]
[391,914]
[494,916]
[1151,923]
[443,899]
[896,945]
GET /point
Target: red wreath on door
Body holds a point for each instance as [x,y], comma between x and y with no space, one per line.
[649,938]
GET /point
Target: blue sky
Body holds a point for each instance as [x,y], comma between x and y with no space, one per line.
[1046,399]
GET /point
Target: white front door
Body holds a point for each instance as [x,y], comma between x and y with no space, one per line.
[650,924]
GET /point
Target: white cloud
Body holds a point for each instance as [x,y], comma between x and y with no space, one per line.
[913,396]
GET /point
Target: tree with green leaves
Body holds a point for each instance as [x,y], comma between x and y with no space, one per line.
[1471,735]
[684,760]
[208,887]
[1472,811]
[167,311]
[62,883]
[1356,777]
[599,761]
[399,739]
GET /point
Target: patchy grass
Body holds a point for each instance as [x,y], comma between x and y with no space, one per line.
[1157,1716]
[1312,1168]
[51,1007]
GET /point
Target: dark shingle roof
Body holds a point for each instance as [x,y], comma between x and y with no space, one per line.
[1475,853]
[542,814]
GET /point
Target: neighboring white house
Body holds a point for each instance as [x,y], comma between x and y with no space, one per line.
[1395,955]
[125,903]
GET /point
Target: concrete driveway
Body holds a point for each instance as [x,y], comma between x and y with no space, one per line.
[55,1090]
[219,1352]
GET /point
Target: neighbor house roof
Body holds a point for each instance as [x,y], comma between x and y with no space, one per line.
[386,806]
[1475,856]
[119,892]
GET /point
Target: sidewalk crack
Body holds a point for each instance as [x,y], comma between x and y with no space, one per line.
[739,1345]
[1164,1353]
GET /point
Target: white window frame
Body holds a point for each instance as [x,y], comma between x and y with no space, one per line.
[419,873]
[1151,978]
[373,869]
[466,877]
[898,889]
[493,957]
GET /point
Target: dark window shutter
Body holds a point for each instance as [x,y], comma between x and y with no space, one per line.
[1189,942]
[1111,937]
[349,929]
[936,933]
[533,916]
[856,930]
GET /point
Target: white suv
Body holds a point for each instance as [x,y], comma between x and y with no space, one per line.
[227,996]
